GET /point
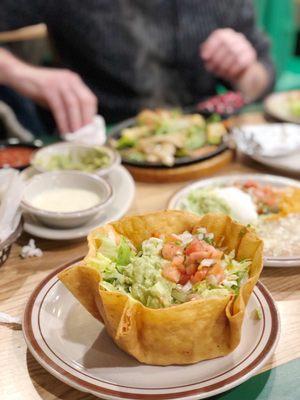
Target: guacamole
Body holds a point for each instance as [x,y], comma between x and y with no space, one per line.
[203,201]
[84,160]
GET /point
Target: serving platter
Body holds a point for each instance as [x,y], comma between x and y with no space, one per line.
[123,193]
[115,133]
[183,173]
[277,181]
[74,347]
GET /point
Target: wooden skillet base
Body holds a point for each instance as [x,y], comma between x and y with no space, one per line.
[181,174]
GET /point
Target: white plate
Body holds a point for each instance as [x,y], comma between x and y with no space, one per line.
[73,346]
[230,179]
[289,163]
[123,188]
[277,105]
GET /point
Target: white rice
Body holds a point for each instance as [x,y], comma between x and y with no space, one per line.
[281,236]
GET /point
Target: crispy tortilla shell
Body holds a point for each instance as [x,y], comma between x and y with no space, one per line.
[181,334]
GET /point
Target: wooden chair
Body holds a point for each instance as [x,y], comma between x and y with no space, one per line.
[28,33]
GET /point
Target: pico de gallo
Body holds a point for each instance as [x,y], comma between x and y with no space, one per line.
[267,198]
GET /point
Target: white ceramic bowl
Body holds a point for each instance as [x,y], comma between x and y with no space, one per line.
[71,180]
[66,148]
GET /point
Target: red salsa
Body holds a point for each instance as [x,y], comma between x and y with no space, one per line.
[15,156]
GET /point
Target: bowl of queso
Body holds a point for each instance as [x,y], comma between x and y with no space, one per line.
[66,199]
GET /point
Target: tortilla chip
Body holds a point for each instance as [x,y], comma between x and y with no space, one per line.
[182,334]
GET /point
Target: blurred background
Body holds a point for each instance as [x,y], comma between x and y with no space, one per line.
[279,19]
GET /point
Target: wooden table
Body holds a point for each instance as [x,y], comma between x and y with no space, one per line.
[22,378]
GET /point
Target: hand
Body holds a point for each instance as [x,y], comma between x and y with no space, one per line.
[227,54]
[71,102]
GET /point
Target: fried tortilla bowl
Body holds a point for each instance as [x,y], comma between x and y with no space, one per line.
[182,334]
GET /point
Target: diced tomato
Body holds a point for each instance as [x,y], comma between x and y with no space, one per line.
[184,279]
[170,250]
[250,184]
[195,246]
[271,198]
[199,275]
[171,273]
[191,269]
[208,251]
[188,261]
[178,262]
[181,268]
[197,256]
[216,270]
[266,194]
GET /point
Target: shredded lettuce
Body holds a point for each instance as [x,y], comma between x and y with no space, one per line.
[179,295]
[120,254]
[108,248]
[100,262]
[257,314]
[124,252]
[206,290]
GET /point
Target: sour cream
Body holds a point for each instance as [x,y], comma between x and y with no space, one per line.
[65,200]
[241,204]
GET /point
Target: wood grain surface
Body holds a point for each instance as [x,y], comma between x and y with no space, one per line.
[22,378]
[181,174]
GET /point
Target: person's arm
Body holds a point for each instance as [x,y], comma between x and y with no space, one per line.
[240,55]
[72,103]
[255,82]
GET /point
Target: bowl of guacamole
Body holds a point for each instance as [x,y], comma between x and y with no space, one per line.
[75,157]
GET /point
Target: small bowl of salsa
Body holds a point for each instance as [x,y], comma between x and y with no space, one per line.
[17,154]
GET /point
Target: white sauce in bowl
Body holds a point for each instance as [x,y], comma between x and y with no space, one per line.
[65,200]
